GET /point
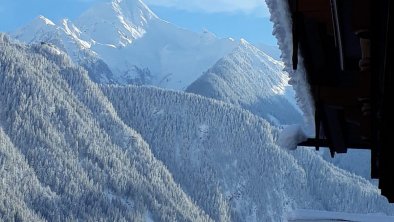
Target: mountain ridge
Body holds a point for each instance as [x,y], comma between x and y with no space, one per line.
[128,37]
[249,78]
[128,18]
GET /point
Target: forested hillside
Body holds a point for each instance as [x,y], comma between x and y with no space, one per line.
[226,157]
[65,155]
[249,78]
[73,150]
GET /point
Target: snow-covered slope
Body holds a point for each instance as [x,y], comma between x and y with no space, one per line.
[251,79]
[137,46]
[226,159]
[65,155]
[69,151]
[66,37]
[271,50]
[118,23]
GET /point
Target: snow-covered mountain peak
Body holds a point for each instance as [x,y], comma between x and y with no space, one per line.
[40,21]
[246,53]
[47,21]
[243,41]
[37,30]
[118,23]
[135,6]
[249,78]
[133,45]
[245,46]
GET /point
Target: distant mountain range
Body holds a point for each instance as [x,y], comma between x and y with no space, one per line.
[124,42]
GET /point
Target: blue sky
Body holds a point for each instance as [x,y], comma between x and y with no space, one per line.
[247,19]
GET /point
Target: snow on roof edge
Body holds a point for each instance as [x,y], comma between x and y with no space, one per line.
[281,19]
